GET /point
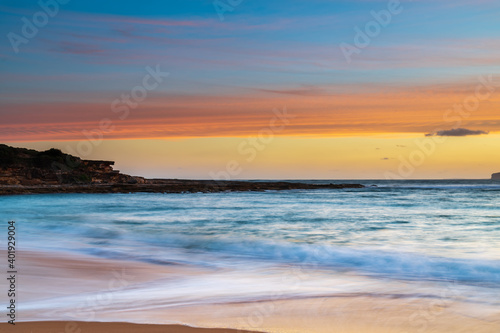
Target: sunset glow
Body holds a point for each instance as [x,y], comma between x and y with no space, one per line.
[193,86]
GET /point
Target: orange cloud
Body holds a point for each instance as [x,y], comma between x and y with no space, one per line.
[409,110]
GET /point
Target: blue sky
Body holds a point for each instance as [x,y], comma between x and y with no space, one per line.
[225,75]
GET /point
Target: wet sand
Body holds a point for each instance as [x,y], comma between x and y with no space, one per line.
[49,278]
[81,327]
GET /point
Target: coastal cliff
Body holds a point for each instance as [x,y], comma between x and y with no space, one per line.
[495,176]
[27,167]
[26,171]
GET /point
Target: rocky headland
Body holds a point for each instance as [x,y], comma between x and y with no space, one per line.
[25,171]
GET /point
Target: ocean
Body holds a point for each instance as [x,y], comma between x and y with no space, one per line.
[415,239]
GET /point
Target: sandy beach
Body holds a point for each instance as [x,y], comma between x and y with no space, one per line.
[47,278]
[76,327]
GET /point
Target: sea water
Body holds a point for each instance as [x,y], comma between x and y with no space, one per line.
[418,238]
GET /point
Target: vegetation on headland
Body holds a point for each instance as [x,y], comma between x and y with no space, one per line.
[52,171]
[28,167]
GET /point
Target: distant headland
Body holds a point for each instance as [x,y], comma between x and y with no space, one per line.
[495,176]
[25,171]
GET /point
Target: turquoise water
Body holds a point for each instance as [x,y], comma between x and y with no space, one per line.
[411,232]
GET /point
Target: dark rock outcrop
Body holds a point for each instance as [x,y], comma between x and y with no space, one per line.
[20,166]
[495,176]
[25,171]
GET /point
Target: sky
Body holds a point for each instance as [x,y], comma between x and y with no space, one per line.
[254,89]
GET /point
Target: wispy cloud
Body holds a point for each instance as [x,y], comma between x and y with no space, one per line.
[78,48]
[302,91]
